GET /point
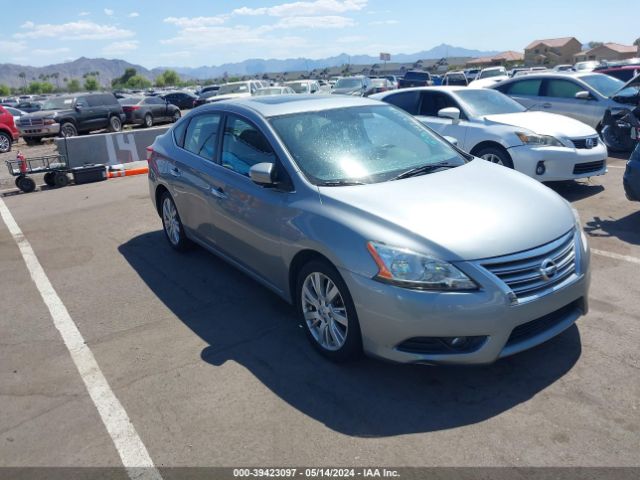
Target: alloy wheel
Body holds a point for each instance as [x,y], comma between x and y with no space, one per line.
[5,144]
[171,222]
[493,158]
[324,311]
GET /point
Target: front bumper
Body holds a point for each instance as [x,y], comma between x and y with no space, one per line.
[39,130]
[560,163]
[390,316]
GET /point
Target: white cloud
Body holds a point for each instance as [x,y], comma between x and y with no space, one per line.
[9,46]
[50,51]
[133,15]
[108,12]
[300,9]
[118,48]
[384,22]
[195,22]
[84,14]
[80,30]
[329,21]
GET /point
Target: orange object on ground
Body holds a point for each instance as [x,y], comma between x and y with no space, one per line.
[128,173]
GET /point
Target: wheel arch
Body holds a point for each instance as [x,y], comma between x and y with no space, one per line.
[160,190]
[489,144]
[297,262]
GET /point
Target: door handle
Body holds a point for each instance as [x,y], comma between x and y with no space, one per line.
[175,172]
[546,105]
[218,192]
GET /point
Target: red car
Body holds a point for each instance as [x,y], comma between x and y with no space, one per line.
[8,131]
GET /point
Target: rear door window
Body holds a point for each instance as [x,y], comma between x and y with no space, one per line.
[202,135]
[407,101]
[523,87]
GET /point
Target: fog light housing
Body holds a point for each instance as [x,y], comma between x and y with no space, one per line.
[442,345]
[540,168]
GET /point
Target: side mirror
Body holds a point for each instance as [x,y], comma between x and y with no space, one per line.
[451,140]
[263,174]
[450,112]
[583,95]
[78,108]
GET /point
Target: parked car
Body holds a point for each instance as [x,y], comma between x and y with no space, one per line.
[15,113]
[469,262]
[8,131]
[393,79]
[455,78]
[147,111]
[586,67]
[471,73]
[232,90]
[29,106]
[631,178]
[262,92]
[182,100]
[379,85]
[208,88]
[304,86]
[492,126]
[358,85]
[205,98]
[489,76]
[69,115]
[563,68]
[415,78]
[624,73]
[583,96]
[9,102]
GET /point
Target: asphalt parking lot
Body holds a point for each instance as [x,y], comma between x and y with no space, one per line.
[213,370]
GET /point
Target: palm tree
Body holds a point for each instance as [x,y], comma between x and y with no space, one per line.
[23,76]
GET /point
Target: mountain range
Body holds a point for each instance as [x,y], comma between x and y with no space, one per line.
[112,68]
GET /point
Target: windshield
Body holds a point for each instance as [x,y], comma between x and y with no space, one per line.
[233,88]
[299,87]
[58,103]
[349,83]
[360,144]
[488,102]
[604,84]
[270,91]
[130,100]
[492,73]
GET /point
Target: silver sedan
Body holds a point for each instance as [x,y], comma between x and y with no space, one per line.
[384,236]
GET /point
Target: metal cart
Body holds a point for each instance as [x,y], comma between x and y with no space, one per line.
[54,167]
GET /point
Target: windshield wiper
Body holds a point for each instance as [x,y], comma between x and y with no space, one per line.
[340,183]
[424,169]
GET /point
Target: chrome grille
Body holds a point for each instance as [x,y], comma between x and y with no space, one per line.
[582,142]
[29,122]
[523,272]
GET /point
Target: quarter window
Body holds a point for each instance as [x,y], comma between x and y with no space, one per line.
[202,134]
[244,146]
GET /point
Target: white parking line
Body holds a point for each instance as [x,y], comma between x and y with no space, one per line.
[615,166]
[616,256]
[129,445]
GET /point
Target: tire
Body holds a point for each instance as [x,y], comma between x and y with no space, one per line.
[68,129]
[615,142]
[176,116]
[495,155]
[26,184]
[172,224]
[60,179]
[5,142]
[49,179]
[115,124]
[331,326]
[148,121]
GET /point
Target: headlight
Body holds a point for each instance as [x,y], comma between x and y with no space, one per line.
[542,140]
[409,269]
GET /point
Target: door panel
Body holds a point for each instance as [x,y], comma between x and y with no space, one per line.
[559,97]
[431,103]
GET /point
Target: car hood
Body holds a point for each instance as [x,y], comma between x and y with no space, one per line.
[46,113]
[346,91]
[478,210]
[543,123]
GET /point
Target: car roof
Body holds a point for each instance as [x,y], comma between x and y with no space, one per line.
[271,106]
[552,74]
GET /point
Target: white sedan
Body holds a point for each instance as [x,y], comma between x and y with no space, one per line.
[492,126]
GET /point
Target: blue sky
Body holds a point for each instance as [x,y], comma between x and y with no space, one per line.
[200,32]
